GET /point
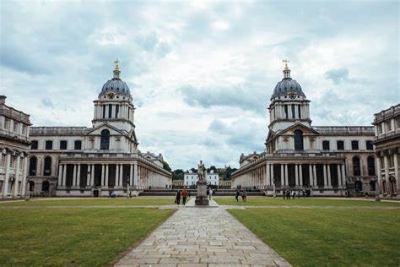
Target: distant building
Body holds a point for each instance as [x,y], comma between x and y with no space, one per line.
[191,178]
[82,161]
[322,160]
[387,148]
[14,147]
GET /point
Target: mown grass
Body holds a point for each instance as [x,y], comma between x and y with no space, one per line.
[72,236]
[328,237]
[269,201]
[136,201]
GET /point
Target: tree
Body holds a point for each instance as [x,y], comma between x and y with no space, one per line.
[166,166]
[178,174]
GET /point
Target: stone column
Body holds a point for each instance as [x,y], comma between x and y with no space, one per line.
[135,174]
[25,170]
[106,175]
[286,175]
[17,178]
[7,175]
[325,176]
[386,162]
[117,175]
[296,172]
[64,178]
[91,175]
[315,174]
[396,170]
[328,170]
[59,175]
[301,182]
[268,175]
[343,174]
[282,175]
[78,176]
[310,175]
[102,176]
[339,175]
[131,175]
[74,176]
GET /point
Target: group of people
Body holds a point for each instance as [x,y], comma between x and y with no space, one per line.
[289,194]
[184,194]
[241,193]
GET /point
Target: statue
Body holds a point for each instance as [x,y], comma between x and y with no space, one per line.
[201,172]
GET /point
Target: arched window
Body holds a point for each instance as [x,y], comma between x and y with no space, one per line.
[32,166]
[298,140]
[47,166]
[371,166]
[105,140]
[356,166]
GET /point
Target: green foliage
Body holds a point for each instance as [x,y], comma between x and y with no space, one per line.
[178,174]
[328,237]
[166,166]
[72,236]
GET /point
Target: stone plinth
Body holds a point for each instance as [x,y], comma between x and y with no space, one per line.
[201,198]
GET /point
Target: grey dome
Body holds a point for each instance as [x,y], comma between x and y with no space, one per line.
[286,86]
[117,86]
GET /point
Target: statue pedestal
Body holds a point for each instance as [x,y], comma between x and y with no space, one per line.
[201,198]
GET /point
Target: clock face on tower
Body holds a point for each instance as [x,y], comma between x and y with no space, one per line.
[110,95]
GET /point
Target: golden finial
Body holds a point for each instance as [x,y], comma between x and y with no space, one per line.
[116,64]
[286,62]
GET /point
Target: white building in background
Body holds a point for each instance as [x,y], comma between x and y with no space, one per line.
[323,160]
[191,178]
[14,147]
[82,161]
[387,148]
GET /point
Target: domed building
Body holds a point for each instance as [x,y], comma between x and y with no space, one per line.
[312,160]
[96,161]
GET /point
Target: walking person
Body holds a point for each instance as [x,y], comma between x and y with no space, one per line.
[237,195]
[210,192]
[244,195]
[178,197]
[184,196]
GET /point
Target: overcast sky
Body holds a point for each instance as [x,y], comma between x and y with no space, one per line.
[201,73]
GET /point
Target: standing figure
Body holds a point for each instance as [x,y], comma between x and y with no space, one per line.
[210,192]
[201,172]
[178,197]
[237,195]
[184,196]
[244,195]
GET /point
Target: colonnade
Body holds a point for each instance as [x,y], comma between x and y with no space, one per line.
[14,165]
[389,169]
[263,175]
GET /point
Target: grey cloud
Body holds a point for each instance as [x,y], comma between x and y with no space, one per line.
[245,99]
[337,75]
[47,102]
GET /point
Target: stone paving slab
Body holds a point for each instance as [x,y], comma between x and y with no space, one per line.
[202,237]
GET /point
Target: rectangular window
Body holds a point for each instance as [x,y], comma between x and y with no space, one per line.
[15,127]
[293,112]
[286,112]
[299,111]
[49,144]
[370,145]
[63,145]
[340,145]
[78,145]
[116,111]
[325,145]
[109,110]
[354,145]
[34,144]
[7,124]
[104,112]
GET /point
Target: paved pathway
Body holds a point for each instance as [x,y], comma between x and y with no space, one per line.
[202,236]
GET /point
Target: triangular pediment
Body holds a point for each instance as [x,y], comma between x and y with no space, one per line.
[113,130]
[298,126]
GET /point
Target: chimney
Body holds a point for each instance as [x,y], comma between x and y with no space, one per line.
[2,99]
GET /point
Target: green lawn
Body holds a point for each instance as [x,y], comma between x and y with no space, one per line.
[269,201]
[328,237]
[72,236]
[136,201]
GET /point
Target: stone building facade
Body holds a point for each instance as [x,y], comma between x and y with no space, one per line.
[318,160]
[95,161]
[191,178]
[14,148]
[387,148]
